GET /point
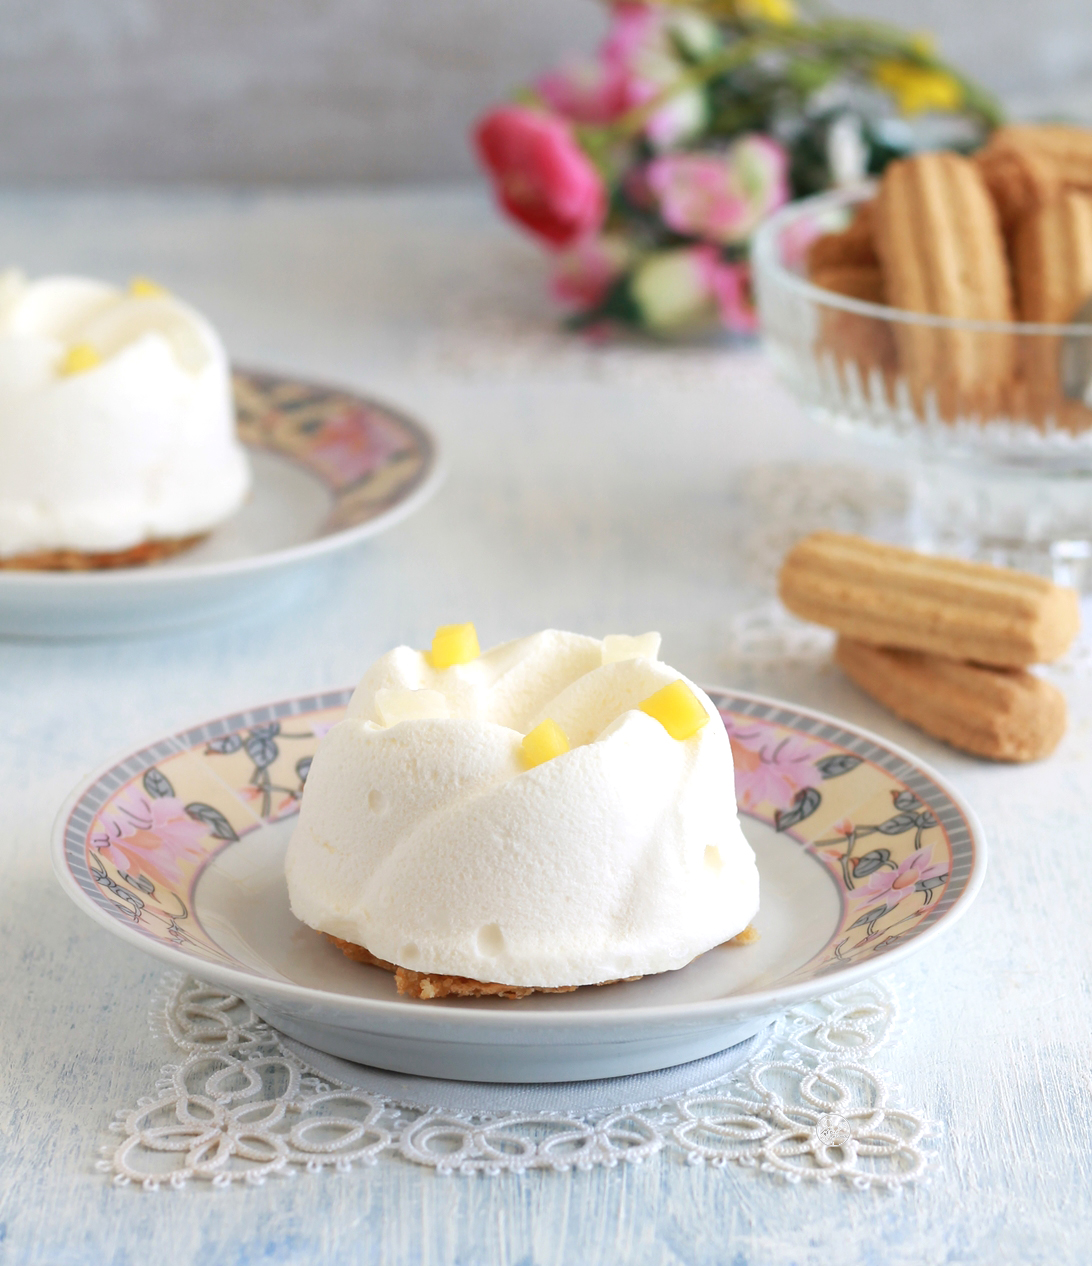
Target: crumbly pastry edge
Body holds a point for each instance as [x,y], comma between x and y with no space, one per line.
[428,985]
[147,552]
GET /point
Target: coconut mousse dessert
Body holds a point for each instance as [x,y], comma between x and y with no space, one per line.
[117,425]
[556,812]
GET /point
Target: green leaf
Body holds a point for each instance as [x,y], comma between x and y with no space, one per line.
[809,76]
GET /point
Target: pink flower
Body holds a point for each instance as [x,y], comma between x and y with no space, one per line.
[673,289]
[154,831]
[915,868]
[583,273]
[598,90]
[593,92]
[721,197]
[636,32]
[795,242]
[635,63]
[642,48]
[732,290]
[543,178]
[771,773]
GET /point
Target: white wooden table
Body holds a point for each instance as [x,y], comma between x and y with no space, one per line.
[597,491]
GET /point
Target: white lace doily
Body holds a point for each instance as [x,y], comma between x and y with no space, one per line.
[807,1104]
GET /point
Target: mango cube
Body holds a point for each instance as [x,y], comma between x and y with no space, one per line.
[543,743]
[619,646]
[454,644]
[145,288]
[396,704]
[79,358]
[678,709]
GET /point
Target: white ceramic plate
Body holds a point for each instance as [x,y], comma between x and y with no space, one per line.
[330,469]
[178,848]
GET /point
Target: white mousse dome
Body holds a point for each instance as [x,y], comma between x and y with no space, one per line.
[116,418]
[429,841]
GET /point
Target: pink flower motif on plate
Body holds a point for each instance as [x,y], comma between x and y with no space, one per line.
[914,869]
[352,444]
[152,831]
[277,803]
[772,774]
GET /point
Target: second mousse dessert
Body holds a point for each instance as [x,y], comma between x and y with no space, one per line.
[117,425]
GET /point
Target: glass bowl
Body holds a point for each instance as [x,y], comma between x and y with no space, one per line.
[995,416]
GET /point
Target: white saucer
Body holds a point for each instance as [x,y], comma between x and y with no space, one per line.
[864,855]
[330,469]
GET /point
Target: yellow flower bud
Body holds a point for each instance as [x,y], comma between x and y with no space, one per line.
[917,88]
[776,12]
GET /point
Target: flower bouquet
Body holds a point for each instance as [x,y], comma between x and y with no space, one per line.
[646,168]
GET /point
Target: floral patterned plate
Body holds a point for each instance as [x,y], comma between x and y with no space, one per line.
[178,848]
[330,468]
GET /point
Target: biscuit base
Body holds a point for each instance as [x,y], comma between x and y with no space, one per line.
[428,985]
[84,560]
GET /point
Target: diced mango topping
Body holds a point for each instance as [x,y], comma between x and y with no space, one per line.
[394,705]
[145,288]
[79,358]
[543,743]
[619,646]
[454,644]
[678,709]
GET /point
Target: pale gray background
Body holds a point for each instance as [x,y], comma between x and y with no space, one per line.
[383,91]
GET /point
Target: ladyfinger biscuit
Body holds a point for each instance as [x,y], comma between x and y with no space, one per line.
[897,597]
[1052,260]
[859,281]
[1021,179]
[1066,148]
[853,246]
[850,336]
[1052,270]
[1027,166]
[1004,714]
[940,245]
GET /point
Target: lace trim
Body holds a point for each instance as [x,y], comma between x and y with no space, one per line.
[240,1106]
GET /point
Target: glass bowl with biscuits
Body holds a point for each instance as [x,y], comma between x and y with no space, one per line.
[947,308]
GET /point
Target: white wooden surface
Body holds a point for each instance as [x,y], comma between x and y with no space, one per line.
[587,490]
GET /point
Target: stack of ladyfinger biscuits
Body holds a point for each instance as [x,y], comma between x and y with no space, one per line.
[1005,235]
[945,644]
